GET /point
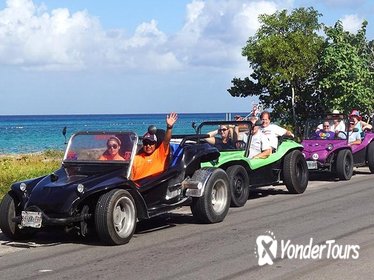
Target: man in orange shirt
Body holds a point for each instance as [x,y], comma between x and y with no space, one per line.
[151,160]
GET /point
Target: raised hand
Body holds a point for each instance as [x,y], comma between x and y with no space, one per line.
[171,119]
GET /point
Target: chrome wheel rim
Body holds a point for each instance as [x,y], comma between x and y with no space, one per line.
[124,217]
[219,196]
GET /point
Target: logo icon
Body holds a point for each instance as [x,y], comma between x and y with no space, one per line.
[266,248]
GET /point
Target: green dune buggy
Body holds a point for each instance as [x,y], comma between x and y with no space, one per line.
[286,165]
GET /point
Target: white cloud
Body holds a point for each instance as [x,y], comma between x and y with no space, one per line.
[352,23]
[213,35]
[344,3]
[216,31]
[146,34]
[248,17]
[35,39]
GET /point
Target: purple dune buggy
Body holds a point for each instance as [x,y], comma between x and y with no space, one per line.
[329,150]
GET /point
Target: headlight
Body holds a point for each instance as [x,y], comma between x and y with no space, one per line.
[22,187]
[80,188]
[329,147]
[315,156]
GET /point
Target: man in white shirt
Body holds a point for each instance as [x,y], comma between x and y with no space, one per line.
[260,145]
[337,125]
[354,137]
[272,131]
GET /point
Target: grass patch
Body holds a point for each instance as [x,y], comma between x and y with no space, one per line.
[15,168]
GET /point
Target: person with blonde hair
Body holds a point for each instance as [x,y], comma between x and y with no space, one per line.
[222,137]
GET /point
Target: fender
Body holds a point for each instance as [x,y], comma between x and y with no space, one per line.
[124,184]
[196,185]
[30,184]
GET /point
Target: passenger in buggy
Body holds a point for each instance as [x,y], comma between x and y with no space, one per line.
[326,132]
[152,159]
[223,138]
[113,146]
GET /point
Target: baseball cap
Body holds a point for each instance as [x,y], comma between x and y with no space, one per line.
[149,137]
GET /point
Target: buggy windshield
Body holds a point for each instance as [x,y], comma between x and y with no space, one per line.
[111,147]
[330,127]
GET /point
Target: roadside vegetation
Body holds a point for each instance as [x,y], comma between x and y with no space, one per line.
[302,67]
[14,168]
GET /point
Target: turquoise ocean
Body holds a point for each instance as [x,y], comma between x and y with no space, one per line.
[35,133]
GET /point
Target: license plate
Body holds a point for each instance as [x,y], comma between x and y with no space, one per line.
[312,164]
[31,219]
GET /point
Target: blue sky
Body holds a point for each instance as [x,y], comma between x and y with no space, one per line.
[144,56]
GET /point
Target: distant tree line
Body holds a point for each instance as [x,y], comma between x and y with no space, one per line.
[302,67]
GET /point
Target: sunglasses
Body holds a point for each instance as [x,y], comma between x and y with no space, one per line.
[222,129]
[326,126]
[148,143]
[114,146]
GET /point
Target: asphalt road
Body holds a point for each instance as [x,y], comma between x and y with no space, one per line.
[174,247]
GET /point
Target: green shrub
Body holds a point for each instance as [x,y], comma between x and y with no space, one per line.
[20,167]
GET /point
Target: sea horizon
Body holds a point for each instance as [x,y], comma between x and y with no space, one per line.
[25,134]
[113,114]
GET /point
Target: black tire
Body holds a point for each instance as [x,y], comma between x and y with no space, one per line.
[239,185]
[295,172]
[344,164]
[115,217]
[213,205]
[10,208]
[370,157]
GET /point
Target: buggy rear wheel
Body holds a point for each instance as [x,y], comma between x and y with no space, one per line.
[213,205]
[295,172]
[115,217]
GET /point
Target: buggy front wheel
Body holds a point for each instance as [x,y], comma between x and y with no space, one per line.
[115,217]
[344,164]
[370,157]
[295,172]
[9,209]
[239,185]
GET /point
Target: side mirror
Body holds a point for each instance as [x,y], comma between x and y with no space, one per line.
[64,134]
[194,126]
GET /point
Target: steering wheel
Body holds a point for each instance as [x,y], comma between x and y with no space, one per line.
[240,144]
[341,135]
